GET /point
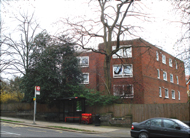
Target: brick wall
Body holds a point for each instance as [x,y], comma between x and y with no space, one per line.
[152,82]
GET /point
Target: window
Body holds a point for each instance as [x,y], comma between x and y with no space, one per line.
[170,62]
[164,75]
[176,65]
[166,93]
[173,94]
[85,78]
[160,92]
[125,91]
[177,79]
[125,52]
[163,59]
[158,71]
[83,61]
[122,71]
[171,78]
[178,95]
[157,56]
[170,124]
[79,106]
[147,123]
[156,123]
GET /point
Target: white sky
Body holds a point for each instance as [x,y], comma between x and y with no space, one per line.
[160,31]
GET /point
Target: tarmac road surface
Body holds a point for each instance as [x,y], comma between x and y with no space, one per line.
[14,130]
[44,129]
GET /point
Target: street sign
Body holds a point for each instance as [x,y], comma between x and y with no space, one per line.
[37,93]
[37,88]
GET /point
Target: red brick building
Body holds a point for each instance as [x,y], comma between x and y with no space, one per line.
[141,73]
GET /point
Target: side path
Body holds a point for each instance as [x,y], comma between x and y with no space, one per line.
[75,127]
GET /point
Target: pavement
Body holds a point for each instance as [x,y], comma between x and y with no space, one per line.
[110,131]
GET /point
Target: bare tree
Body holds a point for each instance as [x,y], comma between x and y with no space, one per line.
[18,49]
[183,44]
[110,26]
[3,62]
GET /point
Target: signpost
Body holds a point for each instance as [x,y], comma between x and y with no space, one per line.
[37,92]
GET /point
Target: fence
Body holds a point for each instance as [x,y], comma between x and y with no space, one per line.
[138,112]
[27,107]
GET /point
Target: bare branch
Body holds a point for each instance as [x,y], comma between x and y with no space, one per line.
[17,51]
[111,25]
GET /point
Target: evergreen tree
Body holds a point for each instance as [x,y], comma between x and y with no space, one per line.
[54,68]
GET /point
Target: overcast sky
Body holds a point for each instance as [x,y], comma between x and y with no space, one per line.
[160,31]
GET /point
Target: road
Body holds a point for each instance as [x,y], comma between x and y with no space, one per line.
[14,130]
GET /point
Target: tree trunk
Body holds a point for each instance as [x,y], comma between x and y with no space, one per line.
[107,75]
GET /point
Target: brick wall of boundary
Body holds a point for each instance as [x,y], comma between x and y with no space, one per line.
[142,112]
[139,112]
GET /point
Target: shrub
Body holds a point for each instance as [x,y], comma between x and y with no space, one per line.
[98,99]
[7,97]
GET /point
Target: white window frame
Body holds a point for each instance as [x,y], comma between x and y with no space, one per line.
[176,67]
[179,97]
[164,72]
[160,91]
[173,94]
[157,55]
[171,78]
[121,52]
[86,82]
[170,62]
[163,59]
[166,95]
[158,73]
[122,74]
[177,79]
[80,61]
[122,95]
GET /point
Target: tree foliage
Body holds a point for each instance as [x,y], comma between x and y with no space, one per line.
[10,91]
[54,68]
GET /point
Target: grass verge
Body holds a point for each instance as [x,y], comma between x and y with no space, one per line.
[76,129]
[11,121]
